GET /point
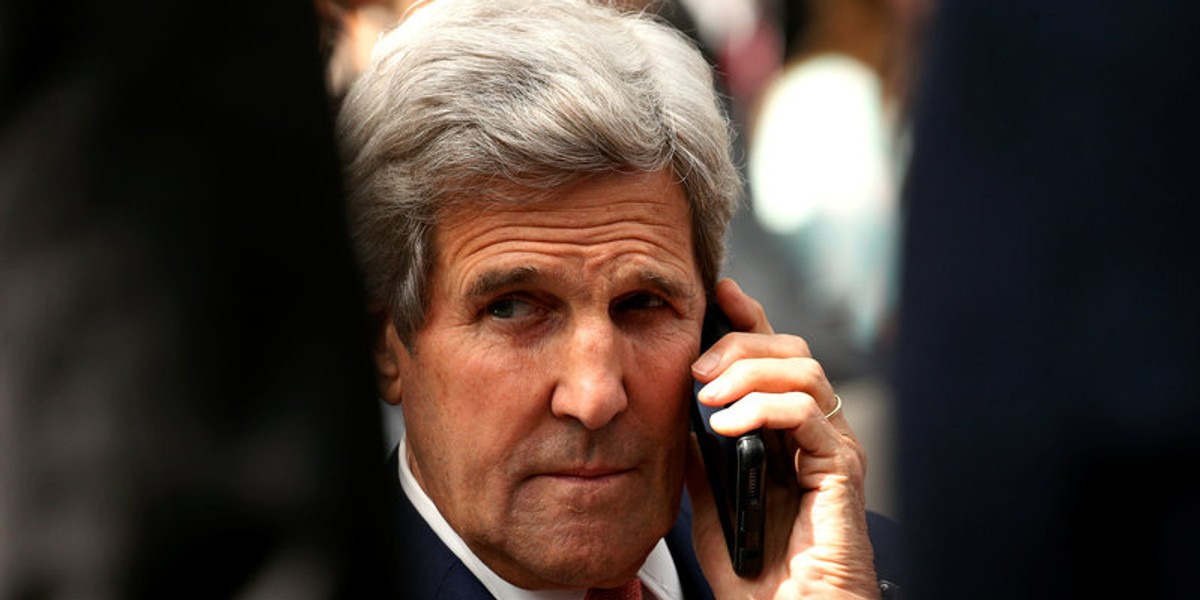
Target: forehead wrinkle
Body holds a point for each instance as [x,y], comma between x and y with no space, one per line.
[548,229]
[595,251]
[552,213]
[572,237]
[477,238]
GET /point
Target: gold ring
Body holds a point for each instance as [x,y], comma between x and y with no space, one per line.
[837,409]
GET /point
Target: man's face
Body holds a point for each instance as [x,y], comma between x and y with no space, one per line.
[546,395]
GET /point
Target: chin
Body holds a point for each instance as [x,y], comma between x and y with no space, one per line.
[597,565]
[596,555]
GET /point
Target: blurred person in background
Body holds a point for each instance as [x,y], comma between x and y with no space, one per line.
[1047,362]
[348,32]
[183,359]
[743,43]
[539,193]
[350,29]
[824,163]
[826,154]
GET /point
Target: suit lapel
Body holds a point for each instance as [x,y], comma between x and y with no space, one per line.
[679,541]
[430,570]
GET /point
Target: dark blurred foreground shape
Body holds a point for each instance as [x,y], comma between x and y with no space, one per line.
[1049,364]
[185,398]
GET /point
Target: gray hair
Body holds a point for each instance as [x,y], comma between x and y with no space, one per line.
[468,98]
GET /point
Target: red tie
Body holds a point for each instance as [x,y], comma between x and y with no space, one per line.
[629,591]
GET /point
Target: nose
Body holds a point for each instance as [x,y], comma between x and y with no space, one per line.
[590,387]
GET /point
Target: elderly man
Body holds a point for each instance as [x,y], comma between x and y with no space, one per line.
[539,191]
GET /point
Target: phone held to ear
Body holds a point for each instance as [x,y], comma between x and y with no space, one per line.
[736,469]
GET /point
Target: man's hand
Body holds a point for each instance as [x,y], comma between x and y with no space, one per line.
[816,531]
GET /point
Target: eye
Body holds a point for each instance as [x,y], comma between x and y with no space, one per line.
[510,308]
[640,301]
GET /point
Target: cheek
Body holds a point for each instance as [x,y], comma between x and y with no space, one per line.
[661,382]
[465,415]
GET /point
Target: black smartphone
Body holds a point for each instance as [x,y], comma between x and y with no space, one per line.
[736,469]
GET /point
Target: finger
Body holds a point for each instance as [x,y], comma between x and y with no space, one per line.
[776,375]
[744,312]
[796,412]
[817,454]
[844,470]
[737,346]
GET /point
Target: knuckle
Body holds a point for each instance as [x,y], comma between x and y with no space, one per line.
[756,307]
[731,347]
[853,464]
[858,459]
[755,406]
[810,371]
[737,371]
[796,345]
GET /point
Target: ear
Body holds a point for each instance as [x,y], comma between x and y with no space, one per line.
[387,351]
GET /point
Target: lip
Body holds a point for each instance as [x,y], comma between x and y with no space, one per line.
[589,473]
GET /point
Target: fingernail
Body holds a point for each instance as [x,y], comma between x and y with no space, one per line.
[706,363]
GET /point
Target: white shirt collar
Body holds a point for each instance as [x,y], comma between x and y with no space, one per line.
[658,573]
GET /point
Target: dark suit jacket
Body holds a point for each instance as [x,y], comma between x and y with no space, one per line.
[431,571]
[1048,352]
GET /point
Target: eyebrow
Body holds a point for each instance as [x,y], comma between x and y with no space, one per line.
[491,282]
[665,285]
